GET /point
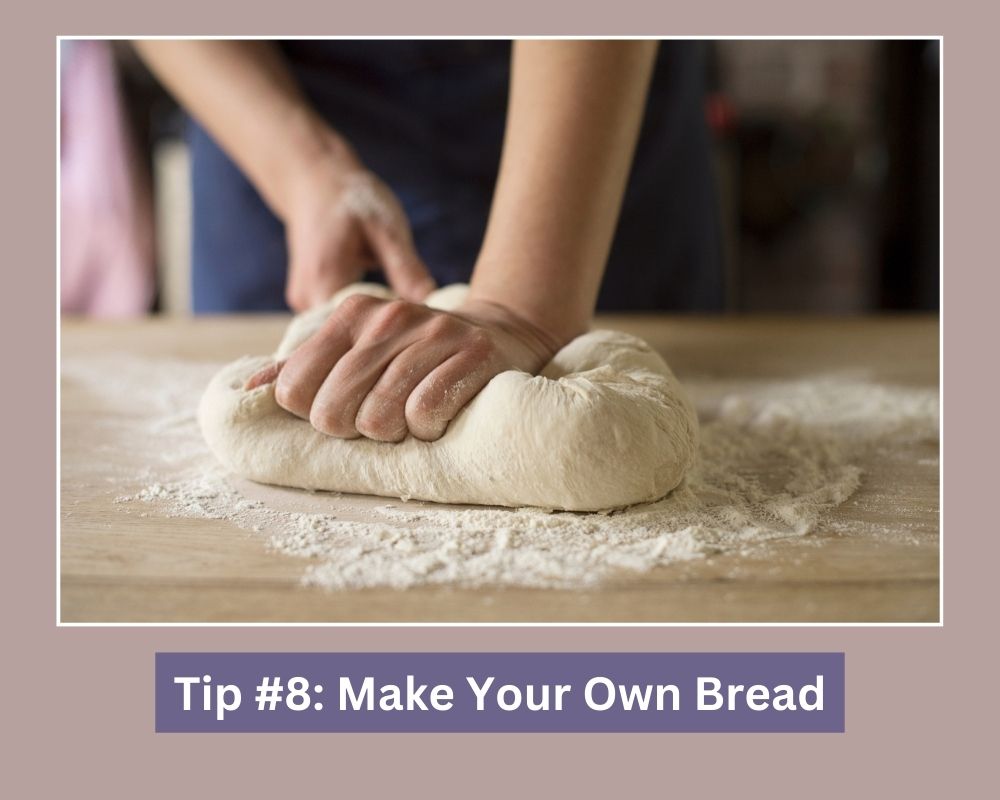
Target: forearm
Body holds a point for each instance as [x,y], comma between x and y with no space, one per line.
[244,95]
[573,119]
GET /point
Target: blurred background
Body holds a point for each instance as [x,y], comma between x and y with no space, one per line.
[826,156]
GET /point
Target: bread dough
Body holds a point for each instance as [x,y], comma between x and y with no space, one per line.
[605,425]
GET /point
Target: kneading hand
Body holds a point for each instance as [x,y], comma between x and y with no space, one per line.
[387,368]
[340,221]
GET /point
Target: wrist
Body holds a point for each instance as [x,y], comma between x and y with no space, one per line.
[537,341]
[311,152]
[558,316]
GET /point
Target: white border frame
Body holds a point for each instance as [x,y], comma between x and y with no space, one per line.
[58,320]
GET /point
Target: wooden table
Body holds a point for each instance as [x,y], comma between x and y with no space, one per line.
[118,567]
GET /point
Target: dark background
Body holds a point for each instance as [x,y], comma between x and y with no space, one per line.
[826,156]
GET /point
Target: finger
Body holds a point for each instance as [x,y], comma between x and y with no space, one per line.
[382,415]
[315,275]
[299,297]
[395,251]
[312,283]
[307,367]
[436,401]
[336,405]
[266,375]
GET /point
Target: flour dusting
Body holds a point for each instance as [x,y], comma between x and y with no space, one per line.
[776,457]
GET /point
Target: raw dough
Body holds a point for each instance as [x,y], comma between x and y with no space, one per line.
[605,425]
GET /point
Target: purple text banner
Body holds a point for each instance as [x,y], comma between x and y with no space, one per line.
[500,692]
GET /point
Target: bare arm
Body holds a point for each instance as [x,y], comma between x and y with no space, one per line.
[244,95]
[574,115]
[310,176]
[388,369]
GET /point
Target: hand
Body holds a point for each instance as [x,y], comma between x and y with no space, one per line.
[387,368]
[342,220]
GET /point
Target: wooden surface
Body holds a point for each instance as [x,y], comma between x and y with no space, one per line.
[123,567]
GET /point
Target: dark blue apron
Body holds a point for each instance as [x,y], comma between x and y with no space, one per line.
[428,118]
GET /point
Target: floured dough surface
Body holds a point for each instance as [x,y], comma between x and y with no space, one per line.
[605,425]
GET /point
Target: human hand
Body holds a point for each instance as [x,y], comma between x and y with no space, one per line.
[342,220]
[387,368]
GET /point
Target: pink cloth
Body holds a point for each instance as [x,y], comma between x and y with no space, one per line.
[107,260]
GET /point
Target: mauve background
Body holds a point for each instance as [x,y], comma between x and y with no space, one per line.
[79,704]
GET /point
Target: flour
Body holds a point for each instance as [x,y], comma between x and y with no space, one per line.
[776,458]
[370,200]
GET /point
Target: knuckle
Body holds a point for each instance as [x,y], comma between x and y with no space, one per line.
[381,430]
[442,325]
[290,395]
[423,418]
[367,427]
[339,323]
[381,417]
[356,304]
[396,311]
[392,316]
[327,420]
[322,420]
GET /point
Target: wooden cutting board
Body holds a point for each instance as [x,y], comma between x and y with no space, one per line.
[118,567]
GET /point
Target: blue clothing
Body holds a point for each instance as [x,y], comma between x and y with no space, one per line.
[428,118]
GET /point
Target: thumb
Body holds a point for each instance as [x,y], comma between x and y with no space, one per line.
[318,268]
[267,375]
[394,249]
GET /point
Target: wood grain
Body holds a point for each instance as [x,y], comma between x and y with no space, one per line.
[118,567]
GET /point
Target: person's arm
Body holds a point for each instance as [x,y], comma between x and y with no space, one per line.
[574,115]
[339,218]
[385,369]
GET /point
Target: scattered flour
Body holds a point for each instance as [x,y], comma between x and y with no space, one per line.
[775,457]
